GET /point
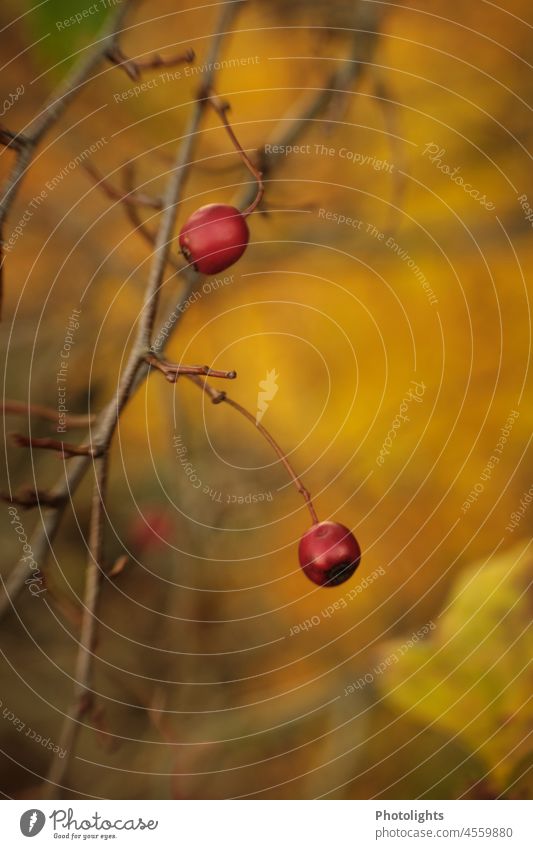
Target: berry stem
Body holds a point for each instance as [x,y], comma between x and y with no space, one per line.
[218,397]
[222,107]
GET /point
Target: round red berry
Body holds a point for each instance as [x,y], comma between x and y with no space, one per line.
[214,237]
[329,554]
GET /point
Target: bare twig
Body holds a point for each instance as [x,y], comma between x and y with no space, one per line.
[218,397]
[288,131]
[135,67]
[222,107]
[105,428]
[49,444]
[29,497]
[82,699]
[139,226]
[26,143]
[131,198]
[18,408]
[174,370]
[312,105]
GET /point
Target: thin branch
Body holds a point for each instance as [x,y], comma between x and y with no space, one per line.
[139,226]
[135,67]
[288,132]
[131,198]
[18,408]
[218,397]
[29,497]
[174,370]
[222,107]
[16,141]
[26,143]
[47,443]
[82,699]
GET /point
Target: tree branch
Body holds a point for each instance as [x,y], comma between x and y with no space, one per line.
[82,699]
[134,67]
[26,143]
[18,408]
[287,132]
[174,370]
[66,449]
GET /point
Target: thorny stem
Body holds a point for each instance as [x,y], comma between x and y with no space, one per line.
[82,698]
[222,108]
[218,397]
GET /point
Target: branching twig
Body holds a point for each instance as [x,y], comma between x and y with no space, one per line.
[18,408]
[218,397]
[288,132]
[222,107]
[49,444]
[134,217]
[26,143]
[134,67]
[83,695]
[174,370]
[131,198]
[29,497]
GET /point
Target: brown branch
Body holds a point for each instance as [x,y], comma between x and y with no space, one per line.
[17,408]
[15,141]
[313,104]
[47,443]
[222,107]
[29,497]
[289,130]
[174,370]
[25,144]
[82,699]
[138,224]
[218,397]
[135,67]
[131,198]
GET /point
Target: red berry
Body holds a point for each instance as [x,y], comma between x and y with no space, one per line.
[214,237]
[151,530]
[329,554]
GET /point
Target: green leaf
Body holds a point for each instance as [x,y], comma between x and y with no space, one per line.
[470,678]
[60,28]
